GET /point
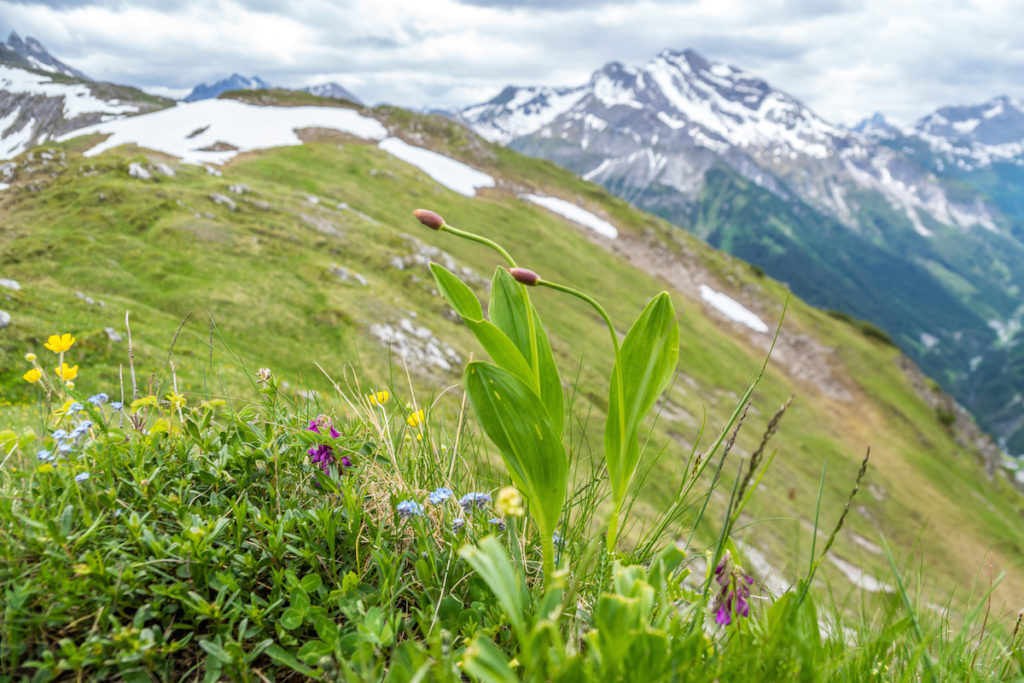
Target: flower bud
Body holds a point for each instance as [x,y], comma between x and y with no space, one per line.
[525,276]
[30,357]
[429,219]
[263,375]
[509,502]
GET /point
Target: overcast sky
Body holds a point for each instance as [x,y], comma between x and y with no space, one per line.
[844,58]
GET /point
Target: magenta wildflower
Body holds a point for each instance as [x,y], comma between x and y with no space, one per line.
[733,591]
[323,454]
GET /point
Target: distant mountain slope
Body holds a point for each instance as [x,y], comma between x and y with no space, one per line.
[309,262]
[856,220]
[206,91]
[35,56]
[42,98]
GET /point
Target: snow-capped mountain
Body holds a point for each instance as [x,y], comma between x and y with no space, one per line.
[847,217]
[35,106]
[206,91]
[666,122]
[36,56]
[875,126]
[332,90]
[976,135]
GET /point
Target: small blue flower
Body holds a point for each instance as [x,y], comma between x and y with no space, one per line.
[45,455]
[98,399]
[474,500]
[81,428]
[408,508]
[439,495]
[65,447]
[81,477]
[116,405]
[75,407]
[557,538]
[498,521]
[59,434]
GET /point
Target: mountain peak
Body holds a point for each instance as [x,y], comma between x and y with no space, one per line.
[207,91]
[31,53]
[333,90]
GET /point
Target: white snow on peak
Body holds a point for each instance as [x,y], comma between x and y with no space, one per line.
[732,309]
[453,174]
[529,110]
[965,127]
[188,130]
[574,213]
[78,99]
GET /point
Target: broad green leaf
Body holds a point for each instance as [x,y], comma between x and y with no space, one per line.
[311,583]
[485,662]
[648,354]
[300,601]
[496,343]
[291,619]
[509,309]
[491,561]
[521,429]
[282,656]
[459,295]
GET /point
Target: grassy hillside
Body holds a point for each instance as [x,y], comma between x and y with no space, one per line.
[265,279]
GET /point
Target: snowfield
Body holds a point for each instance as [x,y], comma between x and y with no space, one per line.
[732,309]
[215,131]
[78,99]
[574,213]
[453,174]
[186,130]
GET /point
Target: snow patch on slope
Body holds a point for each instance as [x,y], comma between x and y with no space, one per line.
[732,309]
[188,131]
[453,174]
[574,213]
[78,98]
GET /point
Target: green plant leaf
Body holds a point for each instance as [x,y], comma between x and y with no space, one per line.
[458,294]
[282,656]
[491,561]
[311,583]
[509,309]
[648,355]
[485,662]
[300,601]
[521,429]
[291,619]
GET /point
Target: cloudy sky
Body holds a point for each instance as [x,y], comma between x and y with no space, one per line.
[844,58]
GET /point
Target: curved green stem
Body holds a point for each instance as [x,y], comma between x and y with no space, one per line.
[613,523]
[480,240]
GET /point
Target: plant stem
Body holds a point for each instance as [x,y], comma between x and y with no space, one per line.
[480,240]
[613,523]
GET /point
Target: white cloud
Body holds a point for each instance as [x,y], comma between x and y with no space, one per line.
[845,58]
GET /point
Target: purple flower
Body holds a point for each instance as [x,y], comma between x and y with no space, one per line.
[474,500]
[733,592]
[408,508]
[458,523]
[498,521]
[323,454]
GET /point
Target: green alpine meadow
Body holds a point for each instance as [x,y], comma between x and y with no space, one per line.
[333,409]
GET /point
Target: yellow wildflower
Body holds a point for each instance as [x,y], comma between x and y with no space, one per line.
[59,343]
[33,375]
[415,419]
[66,373]
[176,400]
[143,401]
[379,398]
[30,357]
[509,502]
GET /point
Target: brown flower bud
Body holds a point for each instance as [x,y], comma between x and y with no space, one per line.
[428,218]
[525,276]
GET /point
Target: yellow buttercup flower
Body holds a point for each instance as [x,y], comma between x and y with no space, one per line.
[509,502]
[415,419]
[33,375]
[59,343]
[66,373]
[379,398]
